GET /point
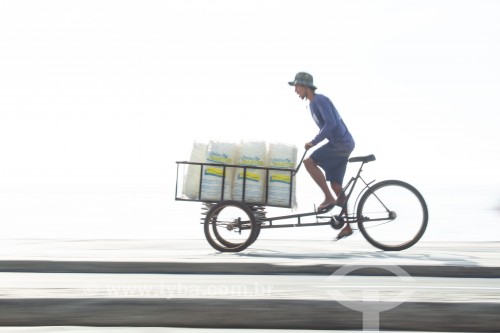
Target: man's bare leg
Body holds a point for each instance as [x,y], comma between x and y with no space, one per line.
[337,189]
[318,176]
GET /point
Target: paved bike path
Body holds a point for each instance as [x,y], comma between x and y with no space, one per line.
[450,259]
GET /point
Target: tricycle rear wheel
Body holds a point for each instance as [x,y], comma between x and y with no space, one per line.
[230,226]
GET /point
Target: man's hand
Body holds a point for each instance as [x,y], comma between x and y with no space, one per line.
[308,145]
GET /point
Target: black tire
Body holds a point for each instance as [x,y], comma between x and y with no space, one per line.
[229,244]
[257,232]
[403,213]
[230,226]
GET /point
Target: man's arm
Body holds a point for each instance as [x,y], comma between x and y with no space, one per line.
[325,109]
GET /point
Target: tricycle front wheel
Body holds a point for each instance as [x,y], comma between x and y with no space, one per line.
[230,226]
[393,215]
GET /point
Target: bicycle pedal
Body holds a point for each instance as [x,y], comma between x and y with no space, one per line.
[337,222]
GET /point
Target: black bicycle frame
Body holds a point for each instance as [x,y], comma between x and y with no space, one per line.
[242,224]
[354,219]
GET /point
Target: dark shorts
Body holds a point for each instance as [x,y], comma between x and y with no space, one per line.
[333,162]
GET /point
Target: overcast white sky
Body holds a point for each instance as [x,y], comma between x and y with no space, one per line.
[98,99]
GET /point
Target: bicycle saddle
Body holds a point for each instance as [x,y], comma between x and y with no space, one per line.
[364,159]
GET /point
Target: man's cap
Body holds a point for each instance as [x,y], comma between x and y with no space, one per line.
[303,78]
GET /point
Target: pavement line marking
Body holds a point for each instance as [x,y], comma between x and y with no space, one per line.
[417,287]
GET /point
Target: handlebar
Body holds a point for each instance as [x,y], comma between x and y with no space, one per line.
[300,163]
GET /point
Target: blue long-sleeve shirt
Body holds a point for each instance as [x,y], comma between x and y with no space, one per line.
[331,125]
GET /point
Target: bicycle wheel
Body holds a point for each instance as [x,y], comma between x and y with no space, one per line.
[230,226]
[392,215]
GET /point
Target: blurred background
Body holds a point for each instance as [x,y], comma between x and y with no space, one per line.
[98,99]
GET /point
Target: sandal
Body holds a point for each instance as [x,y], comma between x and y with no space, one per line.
[326,208]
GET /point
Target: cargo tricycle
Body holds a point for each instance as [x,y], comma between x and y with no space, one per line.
[392,215]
